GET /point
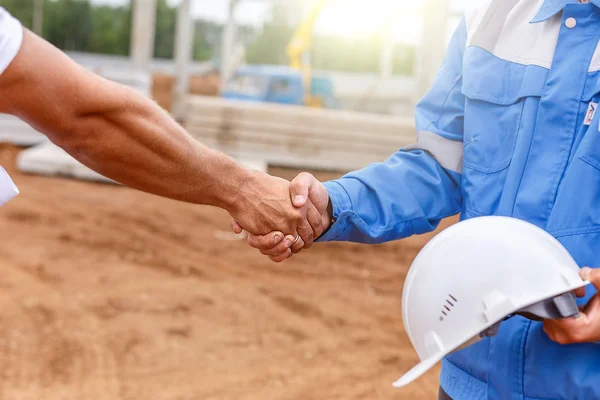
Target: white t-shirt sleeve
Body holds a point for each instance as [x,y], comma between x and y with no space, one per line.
[11,37]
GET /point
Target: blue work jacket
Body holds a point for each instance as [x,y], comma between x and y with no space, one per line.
[509,128]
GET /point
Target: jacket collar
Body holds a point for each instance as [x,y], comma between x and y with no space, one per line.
[552,7]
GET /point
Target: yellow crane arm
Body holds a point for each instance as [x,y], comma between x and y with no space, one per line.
[297,52]
[301,40]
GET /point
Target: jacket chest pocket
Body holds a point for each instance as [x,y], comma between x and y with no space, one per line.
[501,100]
[490,134]
[496,94]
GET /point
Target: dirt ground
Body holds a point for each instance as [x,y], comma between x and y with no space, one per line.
[108,293]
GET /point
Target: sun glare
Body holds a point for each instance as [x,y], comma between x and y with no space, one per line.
[359,17]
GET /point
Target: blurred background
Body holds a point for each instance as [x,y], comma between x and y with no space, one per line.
[371,49]
[108,293]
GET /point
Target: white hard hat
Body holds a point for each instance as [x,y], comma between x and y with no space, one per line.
[475,274]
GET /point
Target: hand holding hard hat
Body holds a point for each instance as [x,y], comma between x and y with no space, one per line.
[481,271]
[584,328]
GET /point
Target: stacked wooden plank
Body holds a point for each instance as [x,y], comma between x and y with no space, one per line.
[294,136]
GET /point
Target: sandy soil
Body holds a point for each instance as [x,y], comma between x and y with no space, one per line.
[108,293]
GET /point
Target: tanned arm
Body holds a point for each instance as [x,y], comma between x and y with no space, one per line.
[119,133]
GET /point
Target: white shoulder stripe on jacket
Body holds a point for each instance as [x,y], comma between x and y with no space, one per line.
[504,28]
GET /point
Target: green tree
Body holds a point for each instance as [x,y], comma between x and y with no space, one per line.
[164,38]
[207,38]
[68,24]
[20,9]
[111,30]
[270,45]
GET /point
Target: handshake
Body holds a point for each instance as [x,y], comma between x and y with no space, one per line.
[281,217]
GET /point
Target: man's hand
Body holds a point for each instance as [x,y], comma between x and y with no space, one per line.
[307,194]
[263,205]
[586,327]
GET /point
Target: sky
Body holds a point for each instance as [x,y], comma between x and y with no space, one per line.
[341,17]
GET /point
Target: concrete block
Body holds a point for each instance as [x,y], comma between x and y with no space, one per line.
[49,159]
[17,132]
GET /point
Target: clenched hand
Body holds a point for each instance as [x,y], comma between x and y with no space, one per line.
[310,196]
[262,205]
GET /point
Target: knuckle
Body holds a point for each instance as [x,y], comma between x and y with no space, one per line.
[314,218]
[270,252]
[575,337]
[319,232]
[274,240]
[304,176]
[282,256]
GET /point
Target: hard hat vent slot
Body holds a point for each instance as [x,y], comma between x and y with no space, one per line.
[447,307]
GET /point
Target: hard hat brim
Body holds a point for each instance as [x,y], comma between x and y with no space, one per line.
[417,371]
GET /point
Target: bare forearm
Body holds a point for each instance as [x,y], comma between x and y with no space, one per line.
[127,137]
[113,129]
[141,146]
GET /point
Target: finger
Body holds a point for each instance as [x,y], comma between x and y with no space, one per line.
[300,187]
[306,233]
[282,257]
[298,245]
[237,228]
[281,248]
[580,292]
[571,330]
[592,308]
[549,329]
[554,334]
[265,242]
[592,275]
[315,221]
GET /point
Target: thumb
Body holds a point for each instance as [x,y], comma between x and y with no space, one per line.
[300,187]
[237,228]
[592,275]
